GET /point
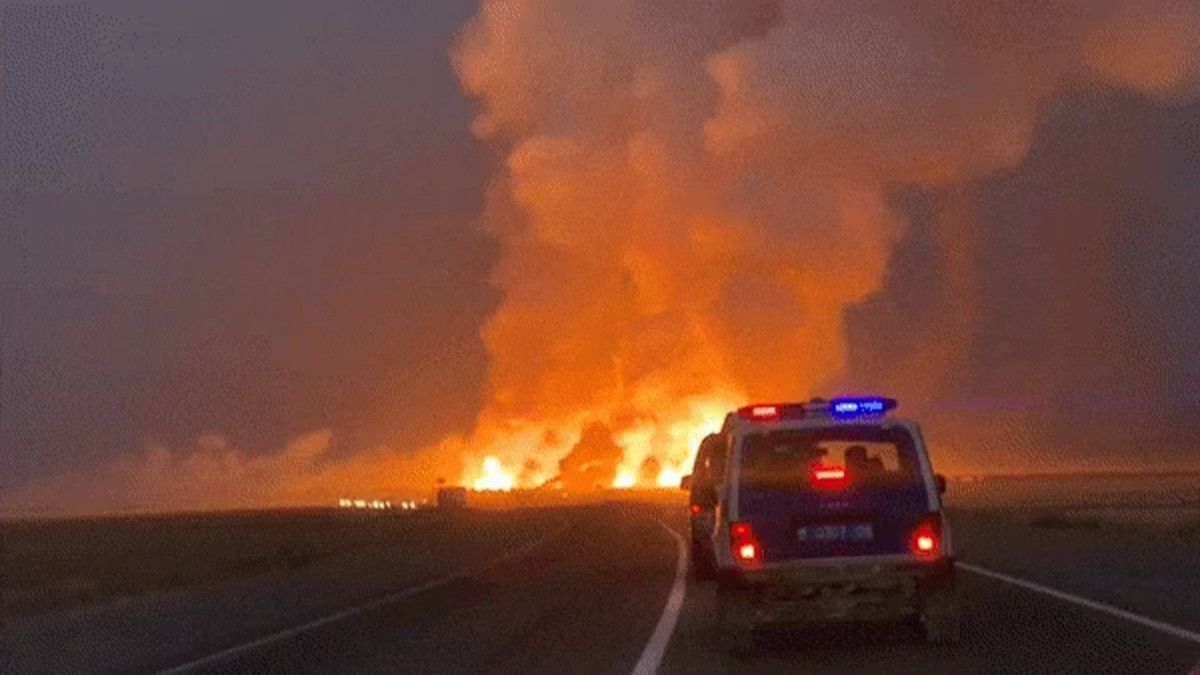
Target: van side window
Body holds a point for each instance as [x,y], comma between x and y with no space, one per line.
[706,473]
[720,450]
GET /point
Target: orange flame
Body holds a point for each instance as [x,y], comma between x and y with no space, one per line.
[495,477]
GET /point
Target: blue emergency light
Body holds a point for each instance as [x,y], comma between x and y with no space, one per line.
[838,408]
[847,408]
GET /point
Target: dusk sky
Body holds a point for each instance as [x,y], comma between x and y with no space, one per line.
[224,219]
[225,227]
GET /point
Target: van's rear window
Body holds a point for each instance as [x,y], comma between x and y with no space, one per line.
[868,455]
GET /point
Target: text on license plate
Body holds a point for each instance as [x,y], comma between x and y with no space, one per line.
[847,532]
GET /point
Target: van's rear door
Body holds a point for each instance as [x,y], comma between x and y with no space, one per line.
[837,490]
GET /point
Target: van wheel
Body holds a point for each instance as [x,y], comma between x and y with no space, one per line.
[738,641]
[699,565]
[941,620]
[942,630]
[734,623]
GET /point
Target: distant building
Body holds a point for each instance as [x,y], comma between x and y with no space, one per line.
[452,498]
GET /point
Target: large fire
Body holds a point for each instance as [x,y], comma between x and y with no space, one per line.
[494,476]
[656,448]
[694,194]
[671,443]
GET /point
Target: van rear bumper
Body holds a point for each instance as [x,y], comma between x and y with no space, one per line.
[841,570]
[813,590]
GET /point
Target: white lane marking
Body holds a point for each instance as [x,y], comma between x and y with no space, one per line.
[1167,628]
[656,648]
[224,654]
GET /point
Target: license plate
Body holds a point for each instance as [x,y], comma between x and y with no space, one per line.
[847,532]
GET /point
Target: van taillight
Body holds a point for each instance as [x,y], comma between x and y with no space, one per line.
[926,539]
[746,549]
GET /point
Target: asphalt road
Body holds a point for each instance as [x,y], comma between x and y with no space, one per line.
[588,599]
[584,601]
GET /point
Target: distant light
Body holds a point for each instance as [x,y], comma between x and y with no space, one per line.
[925,543]
[696,509]
[739,530]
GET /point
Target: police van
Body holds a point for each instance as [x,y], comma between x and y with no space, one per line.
[822,511]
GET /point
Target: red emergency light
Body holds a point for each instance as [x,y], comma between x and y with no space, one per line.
[829,473]
[829,478]
[759,412]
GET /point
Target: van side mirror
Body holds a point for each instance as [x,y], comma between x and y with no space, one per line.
[941,483]
[705,497]
[685,483]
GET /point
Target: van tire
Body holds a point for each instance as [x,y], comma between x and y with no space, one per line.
[700,566]
[941,619]
[734,623]
[942,630]
[738,641]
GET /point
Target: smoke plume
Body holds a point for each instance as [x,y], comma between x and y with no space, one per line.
[692,195]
